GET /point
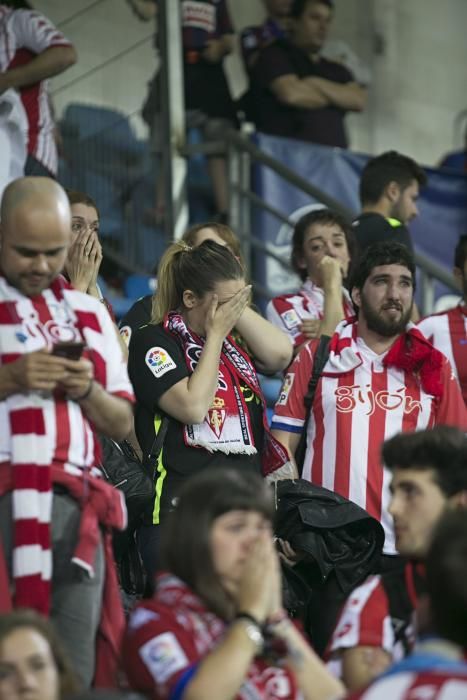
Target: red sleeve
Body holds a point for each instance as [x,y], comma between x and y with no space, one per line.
[289,411]
[282,313]
[451,409]
[157,651]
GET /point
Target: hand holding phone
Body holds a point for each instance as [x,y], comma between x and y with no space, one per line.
[70,350]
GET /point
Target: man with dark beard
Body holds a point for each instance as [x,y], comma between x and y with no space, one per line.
[382,377]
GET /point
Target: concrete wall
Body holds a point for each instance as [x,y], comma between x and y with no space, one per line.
[416,50]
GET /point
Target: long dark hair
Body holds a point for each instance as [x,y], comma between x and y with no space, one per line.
[186,549]
[199,269]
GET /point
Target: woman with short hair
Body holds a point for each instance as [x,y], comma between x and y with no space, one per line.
[216,627]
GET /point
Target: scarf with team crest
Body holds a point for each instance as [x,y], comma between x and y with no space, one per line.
[227,427]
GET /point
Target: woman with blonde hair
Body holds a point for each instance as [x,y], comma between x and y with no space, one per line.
[140,312]
[191,376]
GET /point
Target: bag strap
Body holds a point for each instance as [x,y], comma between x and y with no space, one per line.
[157,445]
[319,360]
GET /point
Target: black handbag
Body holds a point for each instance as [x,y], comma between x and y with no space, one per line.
[123,469]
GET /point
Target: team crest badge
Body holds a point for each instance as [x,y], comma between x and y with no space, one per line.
[216,416]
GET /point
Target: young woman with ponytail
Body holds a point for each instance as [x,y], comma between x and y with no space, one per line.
[187,368]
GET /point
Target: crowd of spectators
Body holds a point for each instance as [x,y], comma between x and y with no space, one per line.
[371,414]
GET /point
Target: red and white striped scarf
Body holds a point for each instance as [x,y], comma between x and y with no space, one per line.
[31,450]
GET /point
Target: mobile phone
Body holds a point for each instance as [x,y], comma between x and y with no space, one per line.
[71,350]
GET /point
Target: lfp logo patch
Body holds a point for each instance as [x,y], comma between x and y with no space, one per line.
[159,361]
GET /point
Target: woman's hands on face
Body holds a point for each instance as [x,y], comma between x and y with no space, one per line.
[222,318]
[259,589]
[84,260]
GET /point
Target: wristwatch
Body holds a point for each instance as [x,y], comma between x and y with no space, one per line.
[253,630]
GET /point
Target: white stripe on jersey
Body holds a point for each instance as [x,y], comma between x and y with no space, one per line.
[394,687]
[358,400]
[407,685]
[347,632]
[438,330]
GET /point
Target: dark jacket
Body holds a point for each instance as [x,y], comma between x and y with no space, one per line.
[343,545]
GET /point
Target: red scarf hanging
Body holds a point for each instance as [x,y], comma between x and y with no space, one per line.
[413,353]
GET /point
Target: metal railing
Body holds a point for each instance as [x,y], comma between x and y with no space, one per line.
[243,154]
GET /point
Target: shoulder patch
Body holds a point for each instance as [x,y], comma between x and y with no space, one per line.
[159,361]
[291,319]
[125,332]
[285,389]
[163,656]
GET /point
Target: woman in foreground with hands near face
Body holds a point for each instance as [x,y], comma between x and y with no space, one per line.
[216,627]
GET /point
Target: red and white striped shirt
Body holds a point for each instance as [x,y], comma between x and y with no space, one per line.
[365,620]
[447,331]
[289,310]
[29,324]
[424,685]
[359,403]
[23,35]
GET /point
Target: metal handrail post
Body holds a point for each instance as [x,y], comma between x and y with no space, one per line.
[173,120]
[234,169]
[245,207]
[428,292]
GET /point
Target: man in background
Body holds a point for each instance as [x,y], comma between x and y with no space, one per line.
[298,93]
[437,668]
[376,625]
[389,188]
[31,51]
[275,26]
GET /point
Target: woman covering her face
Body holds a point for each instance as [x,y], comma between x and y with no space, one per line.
[216,627]
[188,370]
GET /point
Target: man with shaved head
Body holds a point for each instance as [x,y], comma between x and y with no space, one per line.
[62,377]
